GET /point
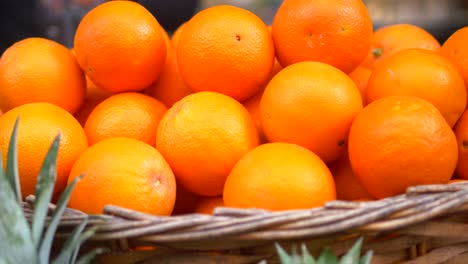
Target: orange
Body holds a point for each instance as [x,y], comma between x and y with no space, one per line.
[40,70]
[124,172]
[461,132]
[401,141]
[226,49]
[170,86]
[120,46]
[391,39]
[253,106]
[347,184]
[176,36]
[316,113]
[454,48]
[206,205]
[360,77]
[279,176]
[422,73]
[202,136]
[132,115]
[185,202]
[94,95]
[336,32]
[39,124]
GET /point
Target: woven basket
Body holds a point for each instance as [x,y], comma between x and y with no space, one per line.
[428,224]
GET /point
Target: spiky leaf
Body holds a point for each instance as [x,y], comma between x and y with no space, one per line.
[12,173]
[366,259]
[353,255]
[71,245]
[283,255]
[306,257]
[46,245]
[44,190]
[15,238]
[87,258]
[327,257]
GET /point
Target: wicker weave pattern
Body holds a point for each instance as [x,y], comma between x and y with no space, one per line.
[413,215]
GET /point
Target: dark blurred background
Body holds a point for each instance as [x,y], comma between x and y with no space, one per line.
[57,19]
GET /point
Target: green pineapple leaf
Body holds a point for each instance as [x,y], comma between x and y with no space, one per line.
[85,236]
[88,257]
[327,257]
[44,189]
[353,255]
[306,257]
[71,246]
[46,245]
[283,255]
[366,259]
[12,173]
[15,238]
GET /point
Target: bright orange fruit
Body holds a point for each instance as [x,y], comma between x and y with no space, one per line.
[422,73]
[124,172]
[39,124]
[226,49]
[336,32]
[401,141]
[132,115]
[279,176]
[121,47]
[202,136]
[316,113]
[40,70]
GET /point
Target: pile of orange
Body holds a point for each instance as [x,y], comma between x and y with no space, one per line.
[229,111]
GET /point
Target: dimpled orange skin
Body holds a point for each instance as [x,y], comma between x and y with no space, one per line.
[131,115]
[120,46]
[461,131]
[422,73]
[125,172]
[279,176]
[40,70]
[397,142]
[389,40]
[225,49]
[454,48]
[202,136]
[311,104]
[336,32]
[39,124]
